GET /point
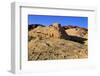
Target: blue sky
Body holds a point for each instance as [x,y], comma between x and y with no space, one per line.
[63,20]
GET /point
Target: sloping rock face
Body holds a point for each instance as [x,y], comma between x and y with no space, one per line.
[55,49]
[76,32]
[52,42]
[62,32]
[54,31]
[81,34]
[86,42]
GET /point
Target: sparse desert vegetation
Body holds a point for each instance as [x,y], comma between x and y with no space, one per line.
[57,42]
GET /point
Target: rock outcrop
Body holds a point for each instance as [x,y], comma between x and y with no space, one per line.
[56,42]
[50,49]
[77,33]
[54,31]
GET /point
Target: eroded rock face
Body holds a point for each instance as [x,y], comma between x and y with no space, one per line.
[76,32]
[52,42]
[56,49]
[54,31]
[86,42]
[61,30]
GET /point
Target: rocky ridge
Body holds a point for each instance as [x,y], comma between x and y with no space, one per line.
[56,42]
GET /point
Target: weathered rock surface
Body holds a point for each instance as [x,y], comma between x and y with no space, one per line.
[56,49]
[78,34]
[53,42]
[54,31]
